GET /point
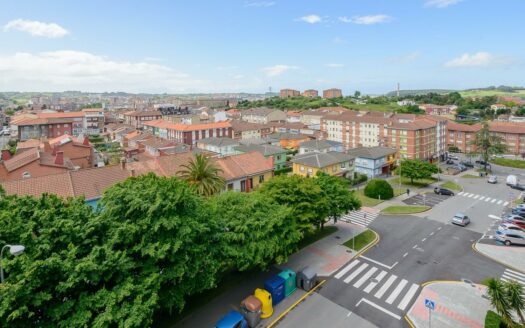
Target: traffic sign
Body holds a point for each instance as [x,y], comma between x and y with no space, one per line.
[430,304]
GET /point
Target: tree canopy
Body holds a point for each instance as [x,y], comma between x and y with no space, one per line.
[340,198]
[417,169]
[487,143]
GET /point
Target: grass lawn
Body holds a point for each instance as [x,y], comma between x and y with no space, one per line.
[470,176]
[404,209]
[516,163]
[492,320]
[315,236]
[376,107]
[451,185]
[406,182]
[361,240]
[367,201]
[486,93]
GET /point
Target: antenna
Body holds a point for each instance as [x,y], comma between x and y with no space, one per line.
[398,89]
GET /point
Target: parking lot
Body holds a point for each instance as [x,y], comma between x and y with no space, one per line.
[428,199]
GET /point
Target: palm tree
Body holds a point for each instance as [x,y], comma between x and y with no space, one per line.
[488,144]
[515,298]
[203,175]
[498,299]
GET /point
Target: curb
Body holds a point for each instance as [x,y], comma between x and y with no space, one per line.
[497,261]
[367,247]
[273,323]
[394,214]
[410,323]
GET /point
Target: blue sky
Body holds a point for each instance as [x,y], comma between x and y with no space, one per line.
[233,46]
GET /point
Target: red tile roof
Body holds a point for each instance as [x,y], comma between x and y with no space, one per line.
[453,126]
[244,165]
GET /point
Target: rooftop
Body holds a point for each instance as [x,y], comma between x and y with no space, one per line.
[218,142]
[321,160]
[371,152]
[265,150]
[239,166]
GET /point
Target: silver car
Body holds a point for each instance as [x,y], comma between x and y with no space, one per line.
[509,226]
[510,237]
[461,219]
[492,179]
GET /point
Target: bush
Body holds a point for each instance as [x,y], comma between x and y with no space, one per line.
[358,178]
[379,189]
[282,171]
[492,320]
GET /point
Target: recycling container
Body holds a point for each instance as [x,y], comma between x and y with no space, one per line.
[275,286]
[289,281]
[266,300]
[251,309]
[232,319]
[306,279]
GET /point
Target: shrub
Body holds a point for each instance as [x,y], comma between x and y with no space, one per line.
[492,320]
[282,171]
[358,178]
[379,189]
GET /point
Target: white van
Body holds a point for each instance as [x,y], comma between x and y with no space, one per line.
[512,180]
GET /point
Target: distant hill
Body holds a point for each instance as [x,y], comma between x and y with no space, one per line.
[404,93]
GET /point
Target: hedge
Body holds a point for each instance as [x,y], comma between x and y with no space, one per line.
[379,189]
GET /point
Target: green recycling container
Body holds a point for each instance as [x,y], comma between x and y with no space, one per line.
[289,281]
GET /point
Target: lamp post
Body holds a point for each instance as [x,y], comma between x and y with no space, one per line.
[15,250]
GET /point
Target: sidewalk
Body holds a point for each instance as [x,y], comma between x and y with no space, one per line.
[511,256]
[328,254]
[457,304]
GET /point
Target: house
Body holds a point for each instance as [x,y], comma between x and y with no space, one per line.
[498,106]
[157,146]
[373,161]
[137,118]
[221,146]
[277,153]
[245,172]
[406,102]
[431,109]
[245,130]
[290,140]
[293,116]
[332,163]
[320,146]
[263,115]
[78,149]
[33,163]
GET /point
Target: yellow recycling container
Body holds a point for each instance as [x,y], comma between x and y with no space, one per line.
[266,300]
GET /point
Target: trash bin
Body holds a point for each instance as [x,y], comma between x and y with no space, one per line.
[289,281]
[266,300]
[251,309]
[275,286]
[232,319]
[306,279]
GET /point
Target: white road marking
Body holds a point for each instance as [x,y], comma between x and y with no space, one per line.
[365,277]
[387,284]
[378,279]
[460,193]
[439,228]
[408,296]
[470,195]
[506,203]
[396,291]
[355,273]
[494,217]
[499,202]
[493,200]
[482,198]
[432,233]
[379,308]
[349,314]
[423,240]
[414,246]
[404,255]
[379,263]
[346,269]
[476,197]
[488,198]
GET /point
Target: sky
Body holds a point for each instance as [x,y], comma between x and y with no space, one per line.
[196,46]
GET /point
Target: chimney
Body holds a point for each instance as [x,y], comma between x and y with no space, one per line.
[59,158]
[123,163]
[55,150]
[6,154]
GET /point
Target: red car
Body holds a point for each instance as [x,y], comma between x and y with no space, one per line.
[515,219]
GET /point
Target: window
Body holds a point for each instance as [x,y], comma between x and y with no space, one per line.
[301,168]
[343,165]
[230,186]
[278,157]
[65,125]
[243,185]
[334,168]
[261,178]
[309,171]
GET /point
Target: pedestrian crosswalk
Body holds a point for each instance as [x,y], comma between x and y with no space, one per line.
[361,217]
[384,285]
[484,198]
[509,274]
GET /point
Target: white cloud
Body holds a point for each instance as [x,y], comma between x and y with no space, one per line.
[76,70]
[441,3]
[366,20]
[311,19]
[36,28]
[277,70]
[259,3]
[479,59]
[333,65]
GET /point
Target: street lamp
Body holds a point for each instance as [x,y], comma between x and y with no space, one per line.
[15,250]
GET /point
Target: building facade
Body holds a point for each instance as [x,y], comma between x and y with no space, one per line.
[286,93]
[332,93]
[311,93]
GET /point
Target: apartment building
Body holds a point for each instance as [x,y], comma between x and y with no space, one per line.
[189,134]
[94,120]
[51,125]
[462,136]
[332,93]
[137,118]
[245,130]
[263,115]
[286,93]
[311,93]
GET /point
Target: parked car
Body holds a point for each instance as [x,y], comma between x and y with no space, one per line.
[520,206]
[510,226]
[466,164]
[443,191]
[481,162]
[461,219]
[512,180]
[492,179]
[518,211]
[518,187]
[509,237]
[450,162]
[462,167]
[515,219]
[453,157]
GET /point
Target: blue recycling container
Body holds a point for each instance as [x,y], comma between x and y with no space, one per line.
[275,286]
[232,319]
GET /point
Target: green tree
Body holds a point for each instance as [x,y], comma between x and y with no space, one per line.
[488,144]
[357,94]
[498,299]
[340,198]
[202,174]
[515,298]
[417,169]
[302,195]
[252,230]
[379,189]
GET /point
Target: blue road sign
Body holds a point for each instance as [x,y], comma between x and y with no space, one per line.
[430,304]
